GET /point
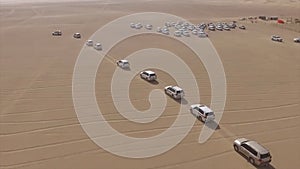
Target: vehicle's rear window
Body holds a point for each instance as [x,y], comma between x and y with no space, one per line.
[265,155]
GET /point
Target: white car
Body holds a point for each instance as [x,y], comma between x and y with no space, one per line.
[138,26]
[276,38]
[158,29]
[226,28]
[195,32]
[202,112]
[132,25]
[242,27]
[211,28]
[148,26]
[77,35]
[124,64]
[297,40]
[256,154]
[57,33]
[148,75]
[186,33]
[165,31]
[219,28]
[202,35]
[177,33]
[174,91]
[98,46]
[89,43]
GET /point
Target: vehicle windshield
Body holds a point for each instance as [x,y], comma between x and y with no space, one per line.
[265,155]
[209,114]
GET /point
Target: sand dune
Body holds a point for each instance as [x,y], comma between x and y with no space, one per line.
[38,124]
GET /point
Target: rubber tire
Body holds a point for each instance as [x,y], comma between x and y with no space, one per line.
[203,120]
[236,148]
[251,160]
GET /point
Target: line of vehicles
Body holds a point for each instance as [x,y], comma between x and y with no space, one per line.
[277,38]
[254,152]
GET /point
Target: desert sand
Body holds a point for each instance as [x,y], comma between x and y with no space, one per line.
[38,125]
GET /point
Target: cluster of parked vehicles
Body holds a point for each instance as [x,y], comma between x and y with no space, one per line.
[223,26]
[180,29]
[186,29]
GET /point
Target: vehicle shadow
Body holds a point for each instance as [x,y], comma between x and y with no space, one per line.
[127,69]
[154,82]
[182,101]
[212,125]
[269,166]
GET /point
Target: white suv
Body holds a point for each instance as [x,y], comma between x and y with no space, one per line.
[148,75]
[202,112]
[174,91]
[124,64]
[255,153]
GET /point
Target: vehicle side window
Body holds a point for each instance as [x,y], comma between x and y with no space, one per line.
[172,90]
[245,146]
[253,151]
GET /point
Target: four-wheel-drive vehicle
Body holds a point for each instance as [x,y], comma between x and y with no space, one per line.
[253,151]
[77,35]
[57,33]
[297,40]
[89,42]
[202,112]
[174,91]
[276,38]
[98,46]
[148,75]
[242,27]
[124,64]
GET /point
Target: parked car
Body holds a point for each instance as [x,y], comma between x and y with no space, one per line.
[253,151]
[211,28]
[158,29]
[57,33]
[297,40]
[89,42]
[148,26]
[98,46]
[195,32]
[165,31]
[219,28]
[138,26]
[186,33]
[202,112]
[242,27]
[124,64]
[132,25]
[226,28]
[77,35]
[174,91]
[148,75]
[276,38]
[177,33]
[202,34]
